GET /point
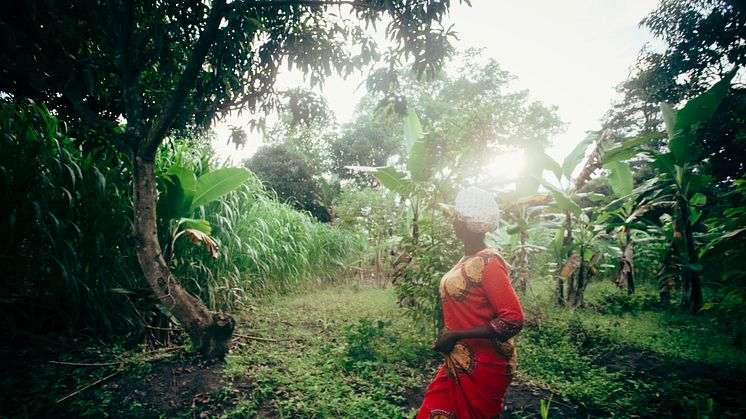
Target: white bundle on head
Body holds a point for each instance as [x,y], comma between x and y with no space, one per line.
[477,209]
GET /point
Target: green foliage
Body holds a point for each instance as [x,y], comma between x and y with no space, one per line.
[358,357]
[618,303]
[66,220]
[290,175]
[65,217]
[438,251]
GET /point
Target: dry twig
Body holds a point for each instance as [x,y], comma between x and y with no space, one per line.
[91,385]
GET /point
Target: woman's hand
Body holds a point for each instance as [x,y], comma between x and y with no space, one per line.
[445,342]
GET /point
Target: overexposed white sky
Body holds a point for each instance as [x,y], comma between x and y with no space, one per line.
[569,53]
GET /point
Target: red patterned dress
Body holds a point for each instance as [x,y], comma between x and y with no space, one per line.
[472,381]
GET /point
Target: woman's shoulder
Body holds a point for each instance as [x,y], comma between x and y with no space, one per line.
[490,255]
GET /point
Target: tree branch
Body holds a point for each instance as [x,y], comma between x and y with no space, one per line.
[269,3]
[206,39]
[97,123]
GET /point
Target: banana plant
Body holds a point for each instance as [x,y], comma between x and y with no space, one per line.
[678,174]
[415,184]
[624,217]
[329,190]
[522,212]
[523,218]
[577,258]
[182,193]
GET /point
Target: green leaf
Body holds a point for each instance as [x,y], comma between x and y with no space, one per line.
[703,107]
[417,162]
[177,190]
[629,148]
[196,224]
[620,178]
[186,177]
[392,179]
[216,184]
[573,159]
[412,130]
[690,118]
[564,202]
[695,183]
[548,163]
[664,163]
[698,199]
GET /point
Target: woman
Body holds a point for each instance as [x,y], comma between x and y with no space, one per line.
[482,314]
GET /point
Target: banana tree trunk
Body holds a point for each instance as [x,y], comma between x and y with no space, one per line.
[626,278]
[211,334]
[565,277]
[523,263]
[415,223]
[689,258]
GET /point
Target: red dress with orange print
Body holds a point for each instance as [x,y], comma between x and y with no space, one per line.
[472,381]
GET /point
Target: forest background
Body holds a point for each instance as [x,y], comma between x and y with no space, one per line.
[106,113]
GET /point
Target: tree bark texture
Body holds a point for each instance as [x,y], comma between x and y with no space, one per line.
[211,334]
[626,278]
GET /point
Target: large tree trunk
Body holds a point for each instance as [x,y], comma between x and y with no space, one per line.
[211,334]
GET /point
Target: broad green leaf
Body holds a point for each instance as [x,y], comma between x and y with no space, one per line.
[696,112]
[412,130]
[573,159]
[197,224]
[664,163]
[392,179]
[701,108]
[172,202]
[695,183]
[186,177]
[216,184]
[698,199]
[620,178]
[563,201]
[417,163]
[548,163]
[629,148]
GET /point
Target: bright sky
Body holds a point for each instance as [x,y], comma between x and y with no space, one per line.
[568,53]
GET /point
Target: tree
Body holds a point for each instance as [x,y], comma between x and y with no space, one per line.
[470,115]
[685,184]
[370,139]
[130,73]
[704,40]
[289,174]
[307,126]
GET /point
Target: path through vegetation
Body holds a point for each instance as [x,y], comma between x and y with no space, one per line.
[349,351]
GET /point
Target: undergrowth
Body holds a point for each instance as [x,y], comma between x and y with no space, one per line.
[343,352]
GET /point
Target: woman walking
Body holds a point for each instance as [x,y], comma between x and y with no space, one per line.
[482,314]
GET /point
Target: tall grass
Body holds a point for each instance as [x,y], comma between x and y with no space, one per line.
[266,247]
[65,228]
[64,218]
